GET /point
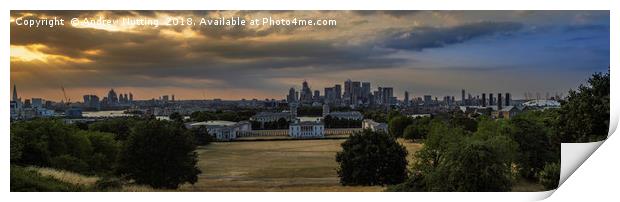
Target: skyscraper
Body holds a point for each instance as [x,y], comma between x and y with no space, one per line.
[112,97]
[484,100]
[491,101]
[406,98]
[317,96]
[291,97]
[499,101]
[508,101]
[338,91]
[306,93]
[463,97]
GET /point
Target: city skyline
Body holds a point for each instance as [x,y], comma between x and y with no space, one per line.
[421,52]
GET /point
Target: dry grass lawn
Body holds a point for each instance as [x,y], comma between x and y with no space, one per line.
[301,165]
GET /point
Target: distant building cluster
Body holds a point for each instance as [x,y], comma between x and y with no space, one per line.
[354,94]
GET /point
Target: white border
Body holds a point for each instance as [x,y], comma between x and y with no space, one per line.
[573,188]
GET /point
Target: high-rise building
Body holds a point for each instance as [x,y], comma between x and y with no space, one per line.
[484,100]
[92,101]
[387,95]
[330,95]
[508,101]
[306,93]
[463,102]
[317,96]
[338,91]
[406,101]
[292,95]
[365,91]
[172,97]
[499,101]
[165,98]
[491,101]
[112,97]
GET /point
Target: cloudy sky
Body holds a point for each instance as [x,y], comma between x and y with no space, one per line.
[423,52]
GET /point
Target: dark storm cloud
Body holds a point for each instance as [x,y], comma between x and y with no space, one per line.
[432,37]
[392,13]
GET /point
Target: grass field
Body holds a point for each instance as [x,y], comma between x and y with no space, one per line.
[302,165]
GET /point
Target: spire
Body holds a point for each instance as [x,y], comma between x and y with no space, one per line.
[15,93]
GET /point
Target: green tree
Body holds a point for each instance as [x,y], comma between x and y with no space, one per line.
[176,116]
[533,140]
[549,176]
[160,154]
[397,125]
[418,130]
[118,126]
[371,158]
[452,160]
[584,116]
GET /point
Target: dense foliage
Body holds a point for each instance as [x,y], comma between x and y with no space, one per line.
[331,122]
[584,116]
[162,151]
[371,158]
[160,154]
[234,116]
[549,176]
[51,143]
[397,125]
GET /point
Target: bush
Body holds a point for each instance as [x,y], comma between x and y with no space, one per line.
[371,158]
[549,176]
[160,154]
[534,143]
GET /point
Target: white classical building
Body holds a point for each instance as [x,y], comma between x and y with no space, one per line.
[374,126]
[306,129]
[223,130]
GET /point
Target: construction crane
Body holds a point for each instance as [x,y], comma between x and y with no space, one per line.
[64,93]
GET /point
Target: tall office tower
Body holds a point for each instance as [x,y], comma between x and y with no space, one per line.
[317,95]
[463,97]
[499,101]
[165,98]
[365,91]
[338,91]
[291,97]
[348,91]
[130,97]
[112,97]
[330,95]
[306,93]
[491,101]
[508,101]
[406,98]
[484,100]
[172,97]
[357,92]
[387,94]
[452,102]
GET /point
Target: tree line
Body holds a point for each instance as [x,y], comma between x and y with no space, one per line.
[145,151]
[461,153]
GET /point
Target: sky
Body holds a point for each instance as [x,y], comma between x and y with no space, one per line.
[422,52]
